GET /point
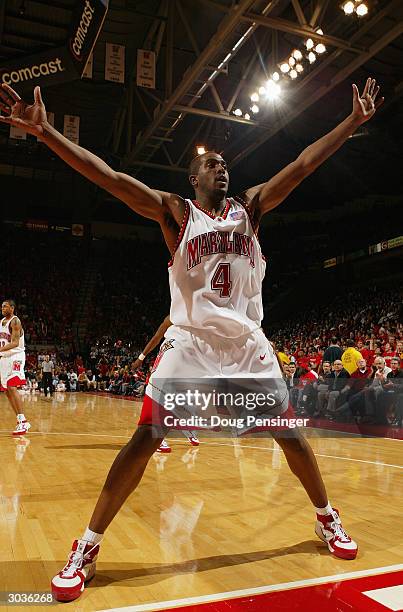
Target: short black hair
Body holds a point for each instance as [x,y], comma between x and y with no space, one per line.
[333,340]
[11,302]
[350,343]
[196,162]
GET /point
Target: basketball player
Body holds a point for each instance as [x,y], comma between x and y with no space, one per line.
[216,272]
[150,346]
[12,362]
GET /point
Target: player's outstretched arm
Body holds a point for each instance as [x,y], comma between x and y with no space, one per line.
[32,119]
[268,195]
[15,336]
[155,340]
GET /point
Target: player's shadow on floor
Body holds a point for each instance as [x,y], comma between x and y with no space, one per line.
[149,574]
[135,575]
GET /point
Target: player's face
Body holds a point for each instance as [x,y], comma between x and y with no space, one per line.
[213,177]
[6,309]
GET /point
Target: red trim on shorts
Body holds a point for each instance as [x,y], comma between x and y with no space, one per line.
[15,381]
[181,232]
[146,415]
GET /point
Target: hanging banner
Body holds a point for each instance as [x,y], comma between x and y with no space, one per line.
[71,128]
[145,68]
[115,63]
[87,74]
[61,64]
[17,134]
[87,23]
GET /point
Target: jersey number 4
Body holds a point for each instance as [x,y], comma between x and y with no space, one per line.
[221,280]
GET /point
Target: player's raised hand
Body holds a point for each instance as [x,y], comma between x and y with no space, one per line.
[365,105]
[29,118]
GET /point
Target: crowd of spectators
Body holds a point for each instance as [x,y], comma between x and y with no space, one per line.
[43,281]
[344,362]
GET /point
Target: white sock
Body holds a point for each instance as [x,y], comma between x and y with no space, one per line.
[21,418]
[92,536]
[326,510]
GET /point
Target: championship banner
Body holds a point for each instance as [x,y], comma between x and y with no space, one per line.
[115,63]
[62,64]
[145,69]
[17,133]
[71,128]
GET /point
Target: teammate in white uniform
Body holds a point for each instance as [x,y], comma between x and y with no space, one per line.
[12,362]
[220,295]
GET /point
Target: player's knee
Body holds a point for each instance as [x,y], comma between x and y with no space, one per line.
[144,442]
[296,444]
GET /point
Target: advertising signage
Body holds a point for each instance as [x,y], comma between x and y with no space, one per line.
[61,64]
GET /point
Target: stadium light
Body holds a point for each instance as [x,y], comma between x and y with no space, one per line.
[293,74]
[275,76]
[299,68]
[238,112]
[247,116]
[297,54]
[309,44]
[291,61]
[311,57]
[361,9]
[255,109]
[285,68]
[320,48]
[348,7]
[273,90]
[201,150]
[255,97]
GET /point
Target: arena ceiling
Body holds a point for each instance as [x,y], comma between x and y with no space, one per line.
[211,55]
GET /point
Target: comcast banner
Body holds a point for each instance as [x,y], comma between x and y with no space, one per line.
[65,63]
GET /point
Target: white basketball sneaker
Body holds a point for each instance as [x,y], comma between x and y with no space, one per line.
[22,428]
[330,530]
[69,583]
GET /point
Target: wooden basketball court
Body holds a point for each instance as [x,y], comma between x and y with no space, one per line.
[212,523]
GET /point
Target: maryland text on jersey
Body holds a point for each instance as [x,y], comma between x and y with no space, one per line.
[219,242]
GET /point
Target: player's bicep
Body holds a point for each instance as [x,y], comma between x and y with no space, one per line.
[15,330]
[138,196]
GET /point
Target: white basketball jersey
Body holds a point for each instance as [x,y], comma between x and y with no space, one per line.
[217,272]
[5,338]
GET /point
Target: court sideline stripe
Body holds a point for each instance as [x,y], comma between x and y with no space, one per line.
[187,601]
[66,433]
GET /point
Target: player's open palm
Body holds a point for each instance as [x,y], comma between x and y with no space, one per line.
[365,105]
[29,118]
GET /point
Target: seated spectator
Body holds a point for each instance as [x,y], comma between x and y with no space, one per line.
[115,385]
[338,387]
[322,388]
[375,399]
[73,378]
[92,381]
[359,382]
[82,381]
[394,393]
[60,386]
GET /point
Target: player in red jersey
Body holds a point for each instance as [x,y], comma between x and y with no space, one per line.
[226,331]
[12,362]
